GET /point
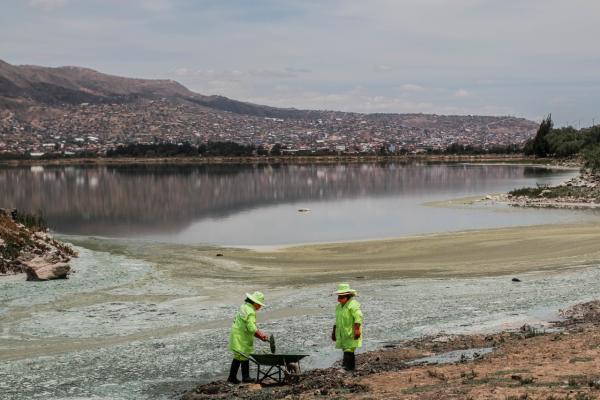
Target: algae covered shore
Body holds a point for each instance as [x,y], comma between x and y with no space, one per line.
[473,253]
[149,320]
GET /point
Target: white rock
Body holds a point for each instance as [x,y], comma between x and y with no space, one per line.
[40,269]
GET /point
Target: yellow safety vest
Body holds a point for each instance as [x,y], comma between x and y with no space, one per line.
[345,318]
[241,337]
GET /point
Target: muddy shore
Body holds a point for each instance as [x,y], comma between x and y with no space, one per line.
[559,362]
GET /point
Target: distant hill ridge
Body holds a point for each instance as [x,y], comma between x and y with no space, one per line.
[25,84]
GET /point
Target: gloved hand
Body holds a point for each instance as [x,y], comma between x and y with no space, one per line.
[261,336]
[333,334]
[356,331]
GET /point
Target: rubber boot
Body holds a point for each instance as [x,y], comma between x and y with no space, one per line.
[246,372]
[349,362]
[235,365]
[346,361]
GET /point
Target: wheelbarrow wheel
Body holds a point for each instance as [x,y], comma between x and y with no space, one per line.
[292,372]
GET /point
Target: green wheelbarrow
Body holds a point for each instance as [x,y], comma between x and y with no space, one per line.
[282,368]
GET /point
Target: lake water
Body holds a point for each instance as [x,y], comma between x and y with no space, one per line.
[258,205]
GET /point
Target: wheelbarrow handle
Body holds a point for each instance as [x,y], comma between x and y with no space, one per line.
[248,356]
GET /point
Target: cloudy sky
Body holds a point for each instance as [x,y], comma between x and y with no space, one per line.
[495,57]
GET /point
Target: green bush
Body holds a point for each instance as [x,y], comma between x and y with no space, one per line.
[565,142]
[591,158]
[527,191]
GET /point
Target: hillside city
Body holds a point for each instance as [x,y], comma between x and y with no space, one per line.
[88,128]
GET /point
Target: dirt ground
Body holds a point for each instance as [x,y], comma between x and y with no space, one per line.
[559,363]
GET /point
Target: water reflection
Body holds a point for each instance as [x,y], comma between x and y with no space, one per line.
[137,200]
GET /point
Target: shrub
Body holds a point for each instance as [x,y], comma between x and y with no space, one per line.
[527,191]
[591,158]
[35,222]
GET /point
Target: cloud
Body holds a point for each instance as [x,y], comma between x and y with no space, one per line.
[361,100]
[411,87]
[147,5]
[275,73]
[154,5]
[182,71]
[48,5]
[462,93]
[239,74]
[298,70]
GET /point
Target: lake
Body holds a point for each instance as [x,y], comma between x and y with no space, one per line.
[258,205]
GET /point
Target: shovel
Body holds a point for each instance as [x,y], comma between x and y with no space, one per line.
[272,344]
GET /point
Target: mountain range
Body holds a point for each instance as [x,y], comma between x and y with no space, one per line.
[29,84]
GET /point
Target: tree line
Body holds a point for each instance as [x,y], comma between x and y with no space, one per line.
[182,150]
[468,149]
[566,142]
[232,149]
[215,149]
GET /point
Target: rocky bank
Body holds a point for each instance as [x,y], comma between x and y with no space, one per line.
[31,251]
[582,191]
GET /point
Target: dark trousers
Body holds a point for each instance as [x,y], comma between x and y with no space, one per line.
[246,371]
[235,366]
[349,362]
[233,370]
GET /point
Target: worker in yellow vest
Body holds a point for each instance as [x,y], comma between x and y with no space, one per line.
[241,338]
[347,331]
